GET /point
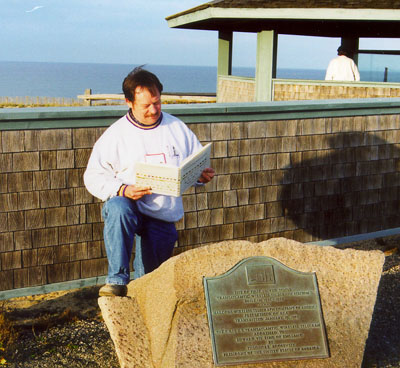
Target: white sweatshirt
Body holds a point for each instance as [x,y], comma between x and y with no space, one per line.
[112,162]
[342,68]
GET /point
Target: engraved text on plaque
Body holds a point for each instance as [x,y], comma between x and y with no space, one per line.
[261,310]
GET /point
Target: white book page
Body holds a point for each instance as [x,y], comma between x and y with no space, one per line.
[163,179]
[171,180]
[193,166]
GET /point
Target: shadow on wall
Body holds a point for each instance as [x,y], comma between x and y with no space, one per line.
[351,185]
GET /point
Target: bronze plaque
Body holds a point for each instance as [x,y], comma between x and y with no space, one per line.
[261,311]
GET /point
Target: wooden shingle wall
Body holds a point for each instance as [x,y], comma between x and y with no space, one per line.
[50,226]
[240,89]
[235,89]
[301,91]
[305,179]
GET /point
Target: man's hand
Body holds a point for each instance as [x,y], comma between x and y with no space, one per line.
[207,175]
[135,192]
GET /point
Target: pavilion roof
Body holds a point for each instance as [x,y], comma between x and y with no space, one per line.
[347,4]
[331,18]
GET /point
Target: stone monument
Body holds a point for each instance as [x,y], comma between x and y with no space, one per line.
[162,323]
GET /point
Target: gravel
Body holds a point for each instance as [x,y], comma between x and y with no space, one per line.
[66,329]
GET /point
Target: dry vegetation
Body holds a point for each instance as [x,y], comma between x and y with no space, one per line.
[21,102]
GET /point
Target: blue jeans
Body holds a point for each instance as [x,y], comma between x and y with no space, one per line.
[122,220]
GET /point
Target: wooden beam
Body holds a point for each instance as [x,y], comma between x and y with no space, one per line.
[267,42]
[225,41]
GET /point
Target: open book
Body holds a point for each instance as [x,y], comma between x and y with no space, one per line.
[173,180]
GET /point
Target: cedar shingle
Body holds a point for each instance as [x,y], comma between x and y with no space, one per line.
[93,267]
[78,251]
[233,148]
[20,182]
[23,239]
[34,219]
[65,159]
[209,234]
[11,260]
[49,198]
[255,162]
[56,216]
[189,202]
[25,161]
[28,200]
[82,157]
[6,280]
[191,220]
[21,278]
[31,139]
[226,232]
[6,242]
[29,258]
[37,276]
[12,141]
[48,160]
[41,180]
[45,255]
[223,182]
[64,271]
[57,179]
[204,218]
[201,201]
[230,198]
[220,132]
[45,237]
[61,253]
[220,149]
[3,222]
[94,249]
[231,165]
[238,230]
[6,163]
[82,196]
[238,130]
[73,215]
[217,216]
[73,177]
[3,183]
[84,137]
[55,139]
[202,131]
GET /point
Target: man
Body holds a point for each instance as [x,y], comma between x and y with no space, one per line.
[144,134]
[342,68]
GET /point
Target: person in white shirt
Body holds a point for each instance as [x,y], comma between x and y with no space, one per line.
[342,67]
[144,134]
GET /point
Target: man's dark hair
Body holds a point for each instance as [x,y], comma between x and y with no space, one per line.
[343,51]
[140,77]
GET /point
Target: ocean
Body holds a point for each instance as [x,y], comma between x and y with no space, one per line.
[45,79]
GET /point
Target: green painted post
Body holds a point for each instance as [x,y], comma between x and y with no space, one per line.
[225,40]
[266,64]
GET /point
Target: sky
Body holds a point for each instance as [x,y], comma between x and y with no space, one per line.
[136,32]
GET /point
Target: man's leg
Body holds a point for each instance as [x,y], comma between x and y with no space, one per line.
[121,221]
[158,239]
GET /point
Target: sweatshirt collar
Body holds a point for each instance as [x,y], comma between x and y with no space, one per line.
[131,118]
